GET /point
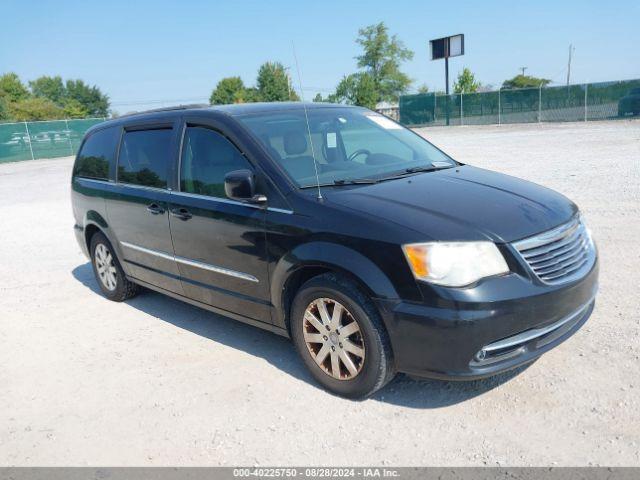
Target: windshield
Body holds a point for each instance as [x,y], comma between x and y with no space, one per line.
[349,144]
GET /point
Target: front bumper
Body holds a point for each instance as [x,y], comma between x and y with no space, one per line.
[510,318]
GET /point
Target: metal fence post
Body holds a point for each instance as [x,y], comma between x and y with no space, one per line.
[435,103]
[461,110]
[66,126]
[499,107]
[29,137]
[586,89]
[540,103]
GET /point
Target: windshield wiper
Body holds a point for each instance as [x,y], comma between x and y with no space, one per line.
[344,181]
[354,181]
[411,170]
[426,169]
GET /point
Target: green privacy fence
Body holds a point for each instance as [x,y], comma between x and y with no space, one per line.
[589,101]
[48,139]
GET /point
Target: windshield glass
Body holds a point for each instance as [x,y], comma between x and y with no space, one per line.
[349,144]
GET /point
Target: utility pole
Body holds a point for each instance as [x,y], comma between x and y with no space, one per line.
[571,49]
[523,70]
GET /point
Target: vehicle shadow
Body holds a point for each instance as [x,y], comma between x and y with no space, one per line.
[279,351]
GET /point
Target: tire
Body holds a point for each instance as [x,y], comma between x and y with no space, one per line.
[373,363]
[114,284]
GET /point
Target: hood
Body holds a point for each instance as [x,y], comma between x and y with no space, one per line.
[464,203]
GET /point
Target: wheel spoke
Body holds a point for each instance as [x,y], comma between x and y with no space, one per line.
[313,320]
[313,337]
[350,329]
[344,356]
[322,354]
[322,309]
[336,316]
[335,364]
[351,347]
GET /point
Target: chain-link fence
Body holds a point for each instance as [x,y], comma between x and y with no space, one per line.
[589,101]
[48,139]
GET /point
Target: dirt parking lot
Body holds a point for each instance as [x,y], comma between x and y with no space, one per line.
[153,381]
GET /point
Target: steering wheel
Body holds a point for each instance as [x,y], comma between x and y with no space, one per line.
[357,153]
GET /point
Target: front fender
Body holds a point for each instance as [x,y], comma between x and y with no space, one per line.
[331,256]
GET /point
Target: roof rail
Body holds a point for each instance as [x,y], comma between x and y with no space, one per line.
[166,109]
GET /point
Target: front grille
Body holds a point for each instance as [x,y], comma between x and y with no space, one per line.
[559,255]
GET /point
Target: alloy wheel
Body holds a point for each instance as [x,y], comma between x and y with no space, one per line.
[105,267]
[333,338]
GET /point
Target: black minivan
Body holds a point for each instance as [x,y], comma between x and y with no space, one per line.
[372,249]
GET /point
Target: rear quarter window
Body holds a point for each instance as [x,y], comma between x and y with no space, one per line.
[97,154]
[145,157]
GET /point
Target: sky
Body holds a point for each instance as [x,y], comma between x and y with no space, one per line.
[147,54]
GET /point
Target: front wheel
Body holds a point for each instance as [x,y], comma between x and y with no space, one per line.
[340,337]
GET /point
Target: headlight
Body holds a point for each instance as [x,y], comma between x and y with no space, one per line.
[454,264]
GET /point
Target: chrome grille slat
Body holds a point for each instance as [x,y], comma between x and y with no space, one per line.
[578,256]
[567,252]
[564,272]
[551,247]
[558,255]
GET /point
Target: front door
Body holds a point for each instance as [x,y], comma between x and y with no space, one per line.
[219,243]
[138,205]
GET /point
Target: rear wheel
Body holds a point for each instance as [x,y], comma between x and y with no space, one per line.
[340,337]
[108,272]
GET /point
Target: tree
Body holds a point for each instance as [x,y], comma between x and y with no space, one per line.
[381,59]
[228,90]
[274,84]
[12,89]
[49,87]
[525,81]
[252,95]
[357,89]
[4,110]
[35,108]
[424,88]
[91,98]
[466,82]
[318,98]
[74,109]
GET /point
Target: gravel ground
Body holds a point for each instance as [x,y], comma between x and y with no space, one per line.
[154,381]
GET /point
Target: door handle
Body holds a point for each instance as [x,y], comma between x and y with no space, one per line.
[155,209]
[181,213]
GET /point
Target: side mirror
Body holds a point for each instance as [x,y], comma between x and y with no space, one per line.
[240,185]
